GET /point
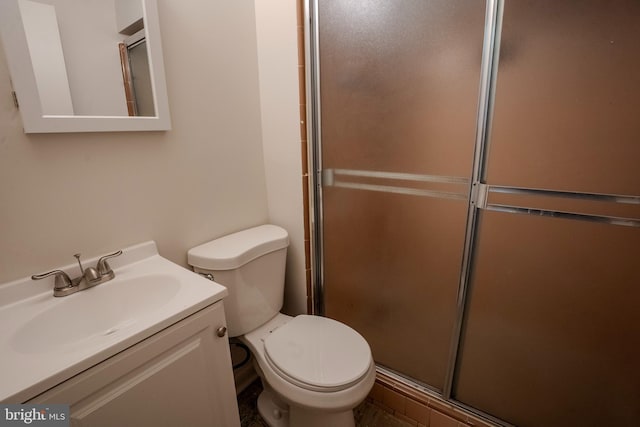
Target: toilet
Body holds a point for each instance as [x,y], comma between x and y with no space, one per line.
[314,370]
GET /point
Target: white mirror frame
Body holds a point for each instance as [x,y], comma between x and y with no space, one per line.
[24,81]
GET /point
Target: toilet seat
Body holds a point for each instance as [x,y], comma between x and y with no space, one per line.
[317,353]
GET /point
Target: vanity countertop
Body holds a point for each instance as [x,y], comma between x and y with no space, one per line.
[46,340]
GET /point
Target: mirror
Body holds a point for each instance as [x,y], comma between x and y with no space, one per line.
[86,65]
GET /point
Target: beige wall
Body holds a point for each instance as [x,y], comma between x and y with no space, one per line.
[94,193]
[278,64]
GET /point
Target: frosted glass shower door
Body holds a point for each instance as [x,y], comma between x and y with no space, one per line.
[399,95]
[552,322]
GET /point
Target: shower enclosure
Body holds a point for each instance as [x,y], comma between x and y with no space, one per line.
[477,198]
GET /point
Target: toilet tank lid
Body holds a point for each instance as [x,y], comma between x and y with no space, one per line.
[236,249]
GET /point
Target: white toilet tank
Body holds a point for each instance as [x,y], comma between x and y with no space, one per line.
[251,265]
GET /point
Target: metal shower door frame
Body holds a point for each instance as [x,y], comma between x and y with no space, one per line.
[318,175]
[478,190]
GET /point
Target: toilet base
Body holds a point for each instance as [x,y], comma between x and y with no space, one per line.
[272,409]
[307,418]
[276,413]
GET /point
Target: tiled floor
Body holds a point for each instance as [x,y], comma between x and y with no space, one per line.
[366,415]
[247,401]
[370,415]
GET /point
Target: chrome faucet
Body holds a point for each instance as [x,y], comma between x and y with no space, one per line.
[90,277]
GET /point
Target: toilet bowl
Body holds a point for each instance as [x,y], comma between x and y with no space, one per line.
[314,370]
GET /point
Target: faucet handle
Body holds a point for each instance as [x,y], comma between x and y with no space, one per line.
[103,266]
[62,279]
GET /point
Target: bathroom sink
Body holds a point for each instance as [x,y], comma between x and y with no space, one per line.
[46,340]
[96,312]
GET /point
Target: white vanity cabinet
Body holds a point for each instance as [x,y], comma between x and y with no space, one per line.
[181,376]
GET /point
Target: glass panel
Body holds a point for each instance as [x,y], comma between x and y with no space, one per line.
[392,265]
[399,84]
[552,333]
[568,96]
[399,93]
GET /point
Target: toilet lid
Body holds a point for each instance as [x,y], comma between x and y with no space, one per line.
[318,353]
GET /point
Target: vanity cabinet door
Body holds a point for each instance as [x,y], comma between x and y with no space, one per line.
[181,376]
